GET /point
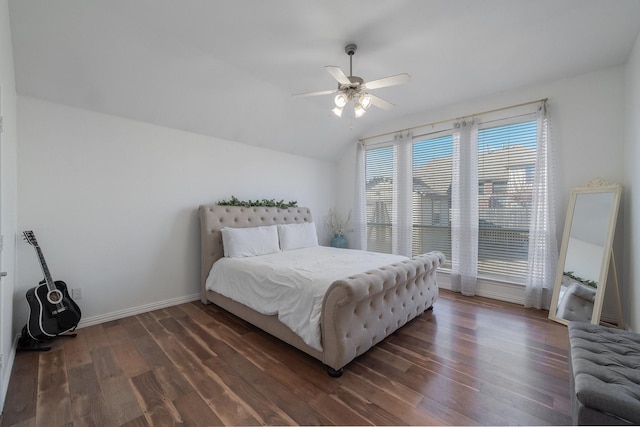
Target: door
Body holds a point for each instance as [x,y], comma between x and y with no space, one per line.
[5,314]
[4,323]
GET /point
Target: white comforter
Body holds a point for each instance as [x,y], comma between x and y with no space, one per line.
[291,284]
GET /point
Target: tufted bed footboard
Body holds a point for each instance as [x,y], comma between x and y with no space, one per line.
[358,311]
[361,310]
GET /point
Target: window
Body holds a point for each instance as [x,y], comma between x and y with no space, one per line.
[506,165]
[380,198]
[432,196]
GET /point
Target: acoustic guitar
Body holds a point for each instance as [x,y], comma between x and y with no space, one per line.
[51,309]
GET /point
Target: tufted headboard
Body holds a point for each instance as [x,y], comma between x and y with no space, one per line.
[215,217]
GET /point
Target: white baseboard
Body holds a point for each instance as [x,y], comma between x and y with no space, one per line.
[115,315]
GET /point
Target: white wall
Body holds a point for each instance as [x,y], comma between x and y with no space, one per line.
[8,195]
[113,202]
[631,294]
[587,125]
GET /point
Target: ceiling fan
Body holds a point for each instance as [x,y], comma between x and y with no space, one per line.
[354,88]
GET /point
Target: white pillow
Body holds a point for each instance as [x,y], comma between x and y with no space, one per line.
[251,241]
[296,236]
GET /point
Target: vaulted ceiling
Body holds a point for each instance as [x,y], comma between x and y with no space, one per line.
[228,68]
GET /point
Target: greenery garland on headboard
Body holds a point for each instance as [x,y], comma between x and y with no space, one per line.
[586,282]
[264,202]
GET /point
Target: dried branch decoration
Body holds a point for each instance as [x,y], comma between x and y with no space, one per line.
[335,223]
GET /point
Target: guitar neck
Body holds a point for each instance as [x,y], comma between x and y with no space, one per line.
[47,275]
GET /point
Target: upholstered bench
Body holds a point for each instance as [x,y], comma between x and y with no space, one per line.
[604,374]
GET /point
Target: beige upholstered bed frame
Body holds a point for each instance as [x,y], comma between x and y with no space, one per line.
[358,311]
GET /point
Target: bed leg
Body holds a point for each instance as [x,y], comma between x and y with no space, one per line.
[430,308]
[335,373]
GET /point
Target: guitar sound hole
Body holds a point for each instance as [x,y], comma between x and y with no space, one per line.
[54,296]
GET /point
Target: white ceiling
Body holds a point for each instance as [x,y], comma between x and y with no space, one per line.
[228,68]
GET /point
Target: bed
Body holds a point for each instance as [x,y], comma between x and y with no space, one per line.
[356,312]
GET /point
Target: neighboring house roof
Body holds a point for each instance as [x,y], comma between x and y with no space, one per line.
[492,170]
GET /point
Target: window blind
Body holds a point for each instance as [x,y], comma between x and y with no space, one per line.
[379,173]
[432,171]
[506,165]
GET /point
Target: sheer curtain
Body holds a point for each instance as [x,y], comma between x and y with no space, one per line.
[464,208]
[402,217]
[543,249]
[360,202]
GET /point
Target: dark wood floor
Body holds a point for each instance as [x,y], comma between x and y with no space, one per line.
[471,361]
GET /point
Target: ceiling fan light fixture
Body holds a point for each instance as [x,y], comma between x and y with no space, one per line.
[365,100]
[340,100]
[353,90]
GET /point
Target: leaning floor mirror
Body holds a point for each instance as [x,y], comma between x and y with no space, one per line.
[586,255]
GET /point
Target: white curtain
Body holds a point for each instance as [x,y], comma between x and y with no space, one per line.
[360,203]
[402,213]
[543,249]
[464,208]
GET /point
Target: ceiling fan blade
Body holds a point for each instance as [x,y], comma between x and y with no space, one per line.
[398,79]
[337,74]
[322,92]
[381,103]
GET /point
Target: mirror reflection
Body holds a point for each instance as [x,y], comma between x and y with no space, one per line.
[585,253]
